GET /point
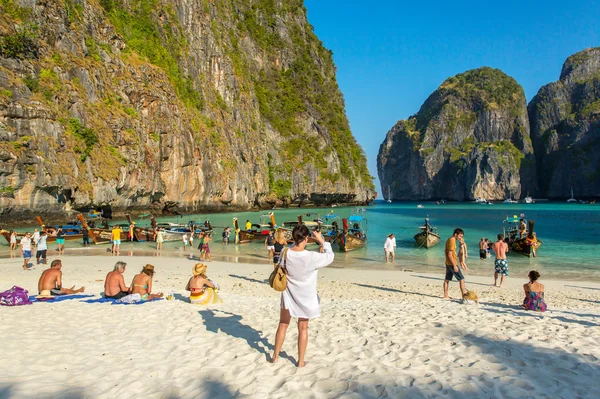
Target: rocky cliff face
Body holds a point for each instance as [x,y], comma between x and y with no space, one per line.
[565,129]
[469,139]
[153,104]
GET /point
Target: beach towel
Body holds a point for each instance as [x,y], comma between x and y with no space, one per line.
[100,300]
[16,296]
[113,301]
[59,298]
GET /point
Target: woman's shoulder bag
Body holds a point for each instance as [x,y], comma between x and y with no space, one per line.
[278,278]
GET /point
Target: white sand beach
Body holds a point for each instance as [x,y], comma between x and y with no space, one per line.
[381,334]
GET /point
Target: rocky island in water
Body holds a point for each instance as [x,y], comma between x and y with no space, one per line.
[476,137]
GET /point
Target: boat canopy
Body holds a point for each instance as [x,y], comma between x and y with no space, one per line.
[355,218]
[330,216]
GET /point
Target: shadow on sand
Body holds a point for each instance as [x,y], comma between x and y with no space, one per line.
[230,324]
[252,280]
[396,290]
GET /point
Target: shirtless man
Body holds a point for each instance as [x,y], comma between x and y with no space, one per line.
[482,249]
[114,286]
[500,249]
[51,281]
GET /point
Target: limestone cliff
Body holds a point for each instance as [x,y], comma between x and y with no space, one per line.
[469,139]
[158,104]
[565,129]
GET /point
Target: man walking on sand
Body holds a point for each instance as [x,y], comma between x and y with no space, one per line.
[26,249]
[116,239]
[389,247]
[500,249]
[452,263]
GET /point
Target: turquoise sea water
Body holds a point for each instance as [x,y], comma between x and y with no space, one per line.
[570,232]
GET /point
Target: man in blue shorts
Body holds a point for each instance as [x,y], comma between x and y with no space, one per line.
[452,269]
[26,250]
[500,249]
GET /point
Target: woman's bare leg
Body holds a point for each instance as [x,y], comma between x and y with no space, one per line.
[284,322]
[302,340]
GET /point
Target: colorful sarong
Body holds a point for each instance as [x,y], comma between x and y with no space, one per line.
[209,296]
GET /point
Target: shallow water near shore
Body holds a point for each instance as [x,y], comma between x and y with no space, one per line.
[570,232]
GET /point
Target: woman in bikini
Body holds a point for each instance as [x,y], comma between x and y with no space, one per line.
[534,294]
[202,290]
[142,284]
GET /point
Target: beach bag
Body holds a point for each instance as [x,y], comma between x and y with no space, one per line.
[278,278]
[470,298]
[16,296]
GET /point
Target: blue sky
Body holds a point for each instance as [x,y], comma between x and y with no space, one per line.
[390,55]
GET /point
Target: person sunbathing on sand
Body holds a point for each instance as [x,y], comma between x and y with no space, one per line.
[202,290]
[142,284]
[51,281]
[114,286]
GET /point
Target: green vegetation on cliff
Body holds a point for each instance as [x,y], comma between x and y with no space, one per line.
[308,85]
[162,45]
[485,87]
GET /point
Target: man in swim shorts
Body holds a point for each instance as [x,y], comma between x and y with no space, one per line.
[51,281]
[500,249]
[26,249]
[116,239]
[452,269]
[114,285]
[482,248]
[60,240]
[270,245]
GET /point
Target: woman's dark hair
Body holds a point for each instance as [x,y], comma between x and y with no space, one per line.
[299,233]
[533,275]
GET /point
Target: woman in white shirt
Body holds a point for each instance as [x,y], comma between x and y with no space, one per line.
[300,298]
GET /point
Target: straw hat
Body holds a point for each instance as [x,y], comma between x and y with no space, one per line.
[44,294]
[149,267]
[198,269]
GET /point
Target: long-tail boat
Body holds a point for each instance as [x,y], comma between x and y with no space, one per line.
[521,242]
[354,237]
[244,236]
[330,227]
[100,235]
[6,234]
[72,232]
[428,236]
[149,233]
